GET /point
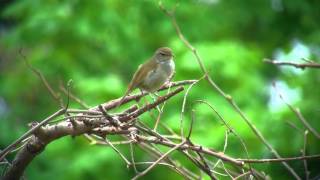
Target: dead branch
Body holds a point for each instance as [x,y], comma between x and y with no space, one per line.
[227,97]
[309,64]
[42,135]
[297,112]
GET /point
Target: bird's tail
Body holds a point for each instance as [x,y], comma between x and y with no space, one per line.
[123,97]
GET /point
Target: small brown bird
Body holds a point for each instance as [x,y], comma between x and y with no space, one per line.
[151,75]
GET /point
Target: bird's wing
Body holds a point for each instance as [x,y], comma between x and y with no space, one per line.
[139,75]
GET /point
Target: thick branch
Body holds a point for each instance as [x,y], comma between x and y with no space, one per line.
[73,126]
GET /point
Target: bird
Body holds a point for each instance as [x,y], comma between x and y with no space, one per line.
[154,73]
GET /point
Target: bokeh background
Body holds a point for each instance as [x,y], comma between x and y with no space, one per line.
[100,43]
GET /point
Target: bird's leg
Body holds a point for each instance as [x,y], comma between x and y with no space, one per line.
[144,97]
[154,96]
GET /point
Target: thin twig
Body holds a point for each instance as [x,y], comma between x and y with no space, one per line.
[221,92]
[280,159]
[310,64]
[150,106]
[37,72]
[305,163]
[229,128]
[161,112]
[118,152]
[132,158]
[158,160]
[297,112]
[175,166]
[72,96]
[242,175]
[184,104]
[201,149]
[5,151]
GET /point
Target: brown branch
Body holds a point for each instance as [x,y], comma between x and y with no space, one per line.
[150,106]
[280,159]
[5,151]
[55,96]
[73,97]
[230,129]
[296,65]
[184,104]
[175,166]
[162,138]
[43,135]
[158,161]
[297,112]
[305,164]
[198,148]
[114,103]
[221,92]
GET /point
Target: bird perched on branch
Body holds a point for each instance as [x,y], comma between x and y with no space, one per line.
[154,73]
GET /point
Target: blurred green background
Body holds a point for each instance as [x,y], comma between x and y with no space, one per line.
[100,43]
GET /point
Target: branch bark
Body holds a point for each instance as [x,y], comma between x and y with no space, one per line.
[310,64]
[42,135]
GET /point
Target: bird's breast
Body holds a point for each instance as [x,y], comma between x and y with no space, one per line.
[156,78]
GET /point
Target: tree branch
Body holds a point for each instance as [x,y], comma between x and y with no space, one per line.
[309,64]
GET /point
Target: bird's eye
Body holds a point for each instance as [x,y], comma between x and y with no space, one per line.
[163,54]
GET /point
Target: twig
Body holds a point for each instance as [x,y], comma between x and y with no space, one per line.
[112,120]
[146,163]
[191,125]
[230,129]
[93,112]
[305,164]
[221,92]
[193,148]
[150,106]
[184,104]
[293,126]
[116,102]
[242,175]
[5,151]
[72,96]
[176,167]
[37,72]
[132,159]
[310,64]
[280,159]
[118,152]
[162,140]
[297,112]
[204,166]
[158,160]
[160,113]
[49,133]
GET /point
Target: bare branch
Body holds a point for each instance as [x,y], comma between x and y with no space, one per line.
[43,135]
[305,164]
[157,161]
[280,159]
[72,96]
[194,148]
[5,151]
[118,152]
[221,92]
[297,112]
[38,73]
[296,65]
